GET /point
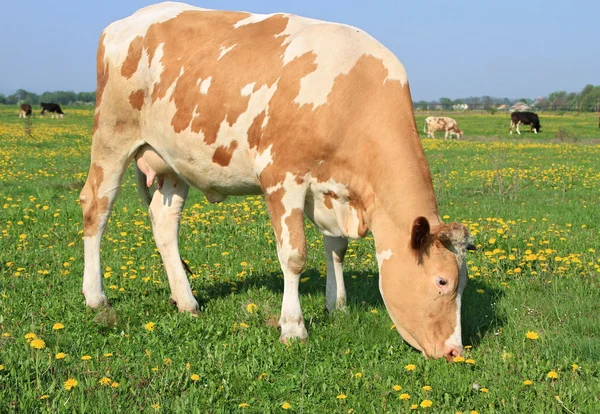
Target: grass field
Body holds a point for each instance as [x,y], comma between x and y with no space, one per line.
[531,202]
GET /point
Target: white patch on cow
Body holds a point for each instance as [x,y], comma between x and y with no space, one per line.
[455,339]
[205,85]
[247,90]
[253,18]
[224,50]
[122,32]
[383,256]
[257,103]
[262,160]
[341,220]
[337,48]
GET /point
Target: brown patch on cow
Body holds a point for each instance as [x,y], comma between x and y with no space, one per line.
[101,71]
[328,196]
[93,206]
[136,99]
[186,63]
[134,54]
[96,121]
[276,208]
[295,225]
[222,155]
[255,130]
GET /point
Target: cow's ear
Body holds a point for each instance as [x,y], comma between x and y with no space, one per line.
[419,233]
[457,235]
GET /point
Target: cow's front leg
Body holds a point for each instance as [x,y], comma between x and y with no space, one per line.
[446,136]
[335,291]
[165,209]
[285,203]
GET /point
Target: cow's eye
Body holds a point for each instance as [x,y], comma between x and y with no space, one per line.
[441,282]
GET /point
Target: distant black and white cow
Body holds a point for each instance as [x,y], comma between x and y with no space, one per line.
[53,108]
[525,118]
[26,111]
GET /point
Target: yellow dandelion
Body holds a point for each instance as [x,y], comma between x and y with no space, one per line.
[251,307]
[459,359]
[243,325]
[115,384]
[149,326]
[397,387]
[575,367]
[29,336]
[553,374]
[244,405]
[37,344]
[1,367]
[261,376]
[358,375]
[104,381]
[148,352]
[6,335]
[58,326]
[155,406]
[414,407]
[427,388]
[286,405]
[60,355]
[527,382]
[44,397]
[70,383]
[341,397]
[410,367]
[483,389]
[195,377]
[108,354]
[470,361]
[532,335]
[374,311]
[86,358]
[426,403]
[405,396]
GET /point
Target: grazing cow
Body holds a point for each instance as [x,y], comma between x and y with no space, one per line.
[53,108]
[26,111]
[296,109]
[525,118]
[441,123]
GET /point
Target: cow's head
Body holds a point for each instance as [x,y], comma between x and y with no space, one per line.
[422,287]
[537,126]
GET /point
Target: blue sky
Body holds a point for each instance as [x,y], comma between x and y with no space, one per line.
[450,48]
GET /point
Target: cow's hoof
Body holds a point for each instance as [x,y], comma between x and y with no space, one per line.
[189,305]
[292,329]
[96,301]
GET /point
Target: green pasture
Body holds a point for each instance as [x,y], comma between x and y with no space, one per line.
[532,203]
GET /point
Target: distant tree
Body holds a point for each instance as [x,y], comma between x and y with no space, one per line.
[2,99]
[86,96]
[446,103]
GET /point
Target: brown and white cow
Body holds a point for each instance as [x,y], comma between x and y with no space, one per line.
[316,116]
[26,110]
[441,123]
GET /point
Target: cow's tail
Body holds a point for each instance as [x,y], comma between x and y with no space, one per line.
[143,189]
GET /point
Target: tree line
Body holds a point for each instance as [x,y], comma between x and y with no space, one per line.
[588,100]
[59,97]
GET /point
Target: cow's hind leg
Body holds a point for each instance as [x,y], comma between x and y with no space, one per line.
[335,291]
[286,208]
[108,164]
[165,209]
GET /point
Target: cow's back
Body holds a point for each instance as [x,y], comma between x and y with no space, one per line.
[242,94]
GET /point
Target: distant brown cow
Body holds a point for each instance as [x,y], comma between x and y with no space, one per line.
[26,111]
[441,123]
